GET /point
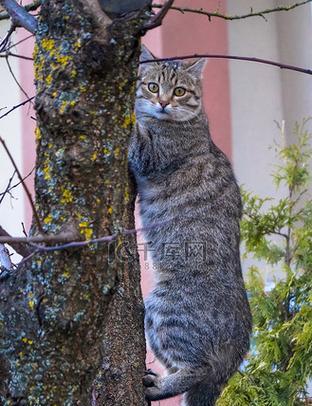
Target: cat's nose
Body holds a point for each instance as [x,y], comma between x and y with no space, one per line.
[163,103]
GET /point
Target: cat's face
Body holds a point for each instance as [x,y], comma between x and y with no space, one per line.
[169,90]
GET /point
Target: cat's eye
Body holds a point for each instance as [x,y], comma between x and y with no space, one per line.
[153,87]
[179,91]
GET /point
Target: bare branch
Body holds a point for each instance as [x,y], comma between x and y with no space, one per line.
[17,106]
[158,18]
[6,39]
[14,77]
[24,185]
[7,54]
[216,14]
[21,249]
[5,260]
[234,57]
[9,187]
[29,7]
[20,42]
[19,15]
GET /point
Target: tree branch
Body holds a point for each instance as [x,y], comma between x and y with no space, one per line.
[7,54]
[158,18]
[23,184]
[234,57]
[21,249]
[29,7]
[19,15]
[252,13]
[17,106]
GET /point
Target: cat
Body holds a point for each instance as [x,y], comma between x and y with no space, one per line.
[197,318]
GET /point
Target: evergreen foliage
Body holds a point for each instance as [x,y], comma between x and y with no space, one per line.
[279,233]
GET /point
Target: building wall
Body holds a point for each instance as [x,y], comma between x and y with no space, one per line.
[11,209]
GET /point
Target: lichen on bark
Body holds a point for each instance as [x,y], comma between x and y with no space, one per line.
[71,321]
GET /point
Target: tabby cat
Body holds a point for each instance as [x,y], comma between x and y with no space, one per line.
[197,318]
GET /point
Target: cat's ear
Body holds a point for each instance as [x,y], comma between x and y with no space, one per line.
[146,55]
[196,68]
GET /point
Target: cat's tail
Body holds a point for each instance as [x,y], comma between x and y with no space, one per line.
[201,394]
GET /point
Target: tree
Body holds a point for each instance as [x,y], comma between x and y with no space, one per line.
[71,314]
[279,233]
[65,312]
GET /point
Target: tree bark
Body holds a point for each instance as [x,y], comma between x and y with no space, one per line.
[71,330]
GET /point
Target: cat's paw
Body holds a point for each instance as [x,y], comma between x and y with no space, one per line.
[150,378]
[153,393]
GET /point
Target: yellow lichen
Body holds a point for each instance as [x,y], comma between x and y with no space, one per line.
[37,134]
[63,60]
[66,274]
[86,230]
[106,151]
[127,196]
[47,172]
[63,107]
[82,137]
[77,44]
[83,88]
[73,73]
[48,79]
[128,121]
[94,156]
[110,210]
[117,152]
[48,219]
[27,341]
[67,196]
[48,44]
[31,304]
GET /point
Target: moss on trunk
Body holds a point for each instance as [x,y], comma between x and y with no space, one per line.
[71,320]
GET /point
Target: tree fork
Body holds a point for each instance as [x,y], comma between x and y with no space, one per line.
[71,330]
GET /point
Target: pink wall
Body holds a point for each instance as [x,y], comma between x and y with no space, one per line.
[27,111]
[179,35]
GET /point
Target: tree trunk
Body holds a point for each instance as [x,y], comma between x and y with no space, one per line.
[71,329]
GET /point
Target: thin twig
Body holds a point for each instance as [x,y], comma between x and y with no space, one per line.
[21,249]
[23,184]
[19,15]
[216,14]
[20,42]
[27,58]
[17,106]
[8,190]
[234,57]
[14,77]
[157,19]
[5,40]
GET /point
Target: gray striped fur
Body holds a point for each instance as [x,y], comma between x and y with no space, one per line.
[197,318]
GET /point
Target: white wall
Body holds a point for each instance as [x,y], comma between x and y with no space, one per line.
[11,210]
[261,94]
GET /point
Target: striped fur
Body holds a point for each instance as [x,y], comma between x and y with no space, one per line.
[197,318]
